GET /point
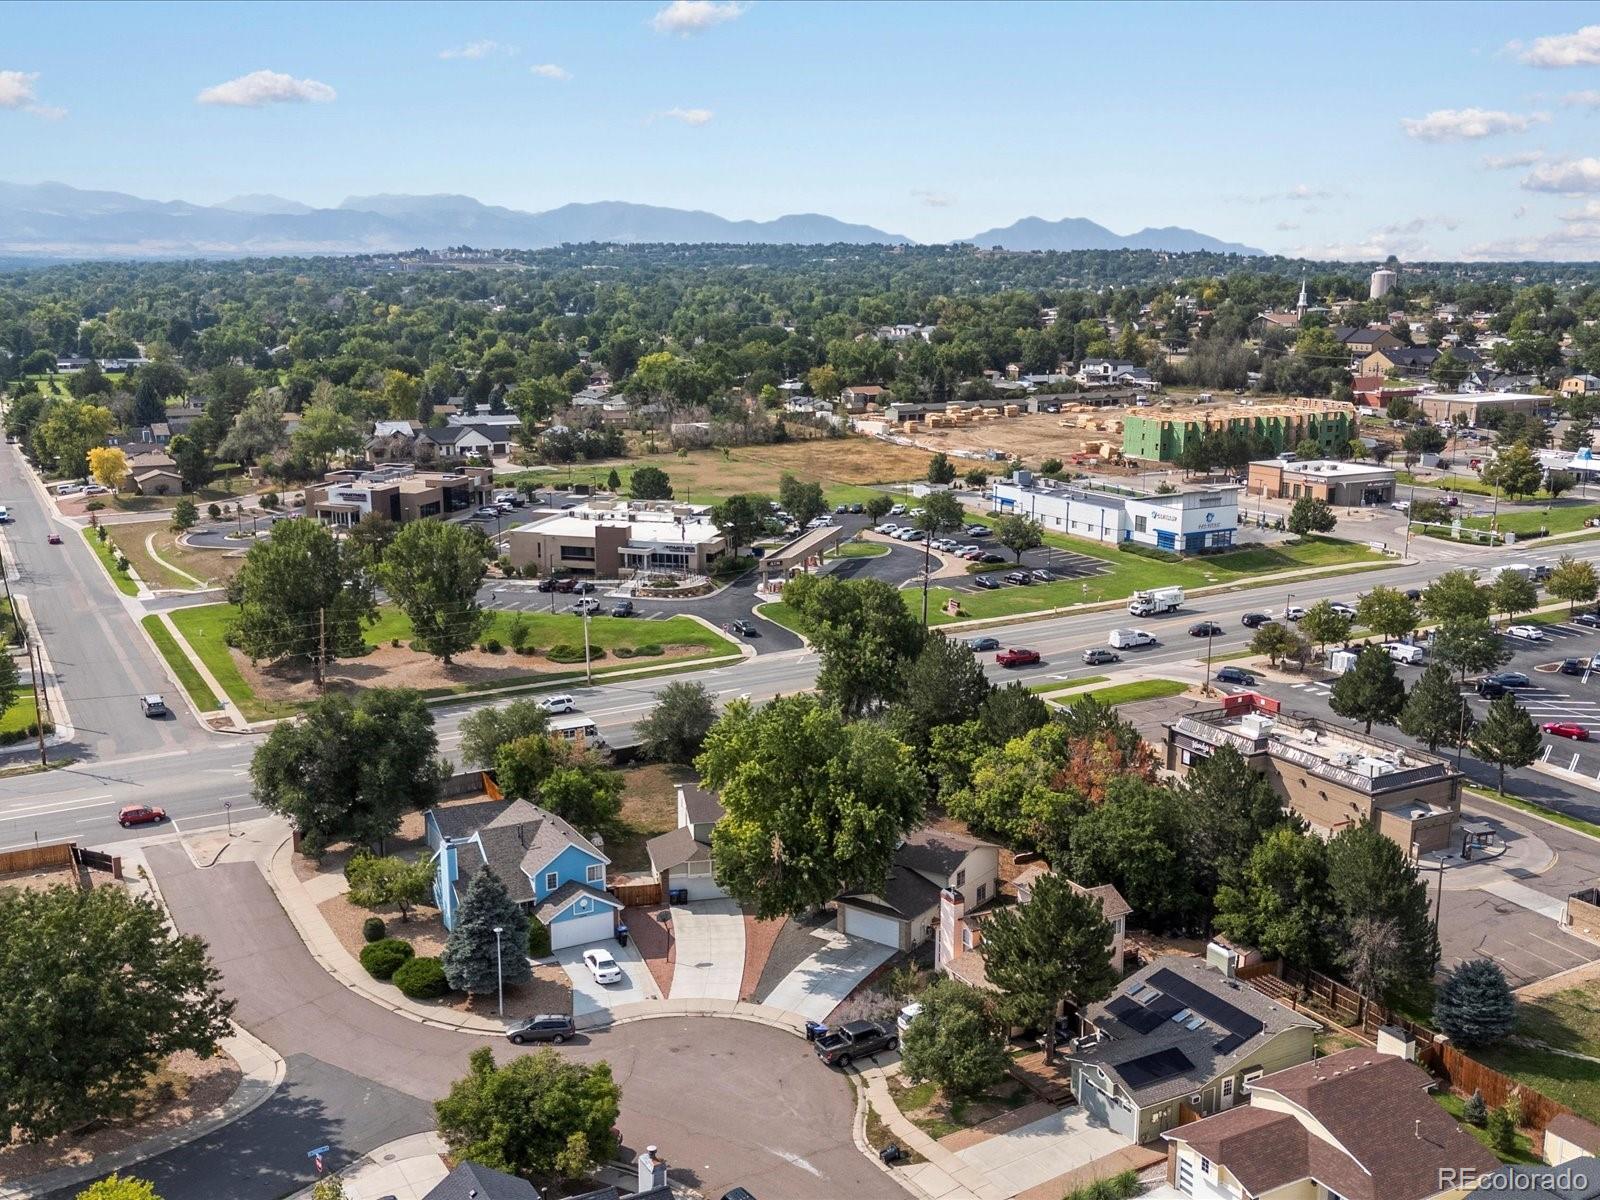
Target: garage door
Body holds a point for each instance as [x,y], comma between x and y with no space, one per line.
[875,928]
[580,931]
[699,887]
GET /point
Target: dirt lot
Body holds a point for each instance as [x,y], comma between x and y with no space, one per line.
[37,881]
[1032,437]
[649,807]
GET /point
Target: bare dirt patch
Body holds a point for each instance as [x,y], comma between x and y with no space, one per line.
[649,808]
[185,1088]
[38,880]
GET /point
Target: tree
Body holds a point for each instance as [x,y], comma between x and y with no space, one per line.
[1372,955]
[194,464]
[301,594]
[257,432]
[1474,1005]
[1556,482]
[117,1187]
[330,1187]
[1281,903]
[1506,737]
[485,730]
[1275,640]
[1425,439]
[862,631]
[814,805]
[1455,596]
[584,791]
[650,483]
[675,729]
[1435,711]
[1137,840]
[1018,533]
[10,682]
[184,515]
[1370,691]
[957,1040]
[1308,449]
[944,685]
[68,430]
[613,481]
[348,770]
[1055,947]
[109,466]
[939,469]
[802,501]
[433,571]
[740,519]
[522,766]
[1229,807]
[1475,1112]
[1323,624]
[1387,611]
[878,506]
[475,959]
[1379,896]
[1311,516]
[540,1115]
[325,432]
[101,960]
[1512,593]
[391,880]
[1574,581]
[1010,712]
[1516,470]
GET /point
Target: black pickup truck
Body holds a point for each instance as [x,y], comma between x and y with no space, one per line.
[857,1039]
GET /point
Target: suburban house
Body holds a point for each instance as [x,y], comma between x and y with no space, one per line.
[610,539]
[151,471]
[408,441]
[1363,342]
[1407,360]
[904,912]
[548,867]
[1580,385]
[401,493]
[680,859]
[1179,1034]
[469,1181]
[1358,1125]
[856,399]
[961,930]
[1331,777]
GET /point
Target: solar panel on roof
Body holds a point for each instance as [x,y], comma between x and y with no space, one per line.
[1229,1044]
[1153,1068]
[1165,1006]
[1214,1008]
[1122,1008]
[1142,1020]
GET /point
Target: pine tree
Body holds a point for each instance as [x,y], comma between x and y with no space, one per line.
[1475,1111]
[1507,737]
[469,954]
[1370,691]
[1436,711]
[1475,1006]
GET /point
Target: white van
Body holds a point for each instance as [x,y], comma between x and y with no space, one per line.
[559,703]
[579,729]
[1402,652]
[5,514]
[1125,639]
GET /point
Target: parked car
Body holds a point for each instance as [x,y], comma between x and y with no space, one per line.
[858,508]
[1510,679]
[567,584]
[1042,575]
[1094,656]
[1528,633]
[983,643]
[1293,613]
[622,608]
[841,508]
[54,539]
[559,703]
[888,527]
[1592,620]
[1205,629]
[546,585]
[898,510]
[582,586]
[587,605]
[987,582]
[546,1027]
[1566,729]
[95,489]
[1018,577]
[907,1015]
[1017,656]
[740,627]
[1236,675]
[488,511]
[993,558]
[1254,620]
[1343,609]
[978,531]
[738,1193]
[602,966]
[140,814]
[152,706]
[1574,666]
[853,1040]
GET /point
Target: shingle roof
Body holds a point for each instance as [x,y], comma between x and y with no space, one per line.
[459,820]
[935,852]
[564,895]
[469,1181]
[905,894]
[518,839]
[1576,1130]
[703,807]
[673,849]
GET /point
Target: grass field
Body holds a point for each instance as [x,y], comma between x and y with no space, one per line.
[860,550]
[1561,519]
[204,699]
[1139,689]
[1467,485]
[1067,685]
[102,551]
[204,628]
[131,541]
[22,713]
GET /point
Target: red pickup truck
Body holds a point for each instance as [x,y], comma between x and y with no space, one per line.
[1016,656]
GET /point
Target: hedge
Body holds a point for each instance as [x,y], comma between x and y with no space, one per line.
[538,939]
[568,653]
[11,736]
[422,979]
[383,958]
[372,929]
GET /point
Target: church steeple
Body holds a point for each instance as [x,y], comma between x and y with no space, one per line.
[1300,305]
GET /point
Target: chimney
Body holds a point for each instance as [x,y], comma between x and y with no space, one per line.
[652,1170]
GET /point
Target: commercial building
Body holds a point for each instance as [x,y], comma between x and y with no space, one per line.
[1447,406]
[1329,776]
[1161,436]
[1339,483]
[612,539]
[401,493]
[1190,521]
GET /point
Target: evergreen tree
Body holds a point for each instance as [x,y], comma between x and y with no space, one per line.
[1475,1006]
[469,953]
[957,1040]
[1281,903]
[1374,884]
[1370,691]
[1507,737]
[1435,711]
[1475,1111]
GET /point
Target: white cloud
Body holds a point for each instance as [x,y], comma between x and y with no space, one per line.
[1577,242]
[696,16]
[1468,124]
[932,199]
[260,88]
[689,116]
[1589,212]
[17,93]
[1580,49]
[1584,99]
[1286,226]
[1519,212]
[1506,162]
[550,71]
[1570,175]
[483,48]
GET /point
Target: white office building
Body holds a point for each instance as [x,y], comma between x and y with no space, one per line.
[1185,521]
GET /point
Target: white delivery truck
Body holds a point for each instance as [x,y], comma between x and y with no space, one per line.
[1523,569]
[1156,600]
[1125,639]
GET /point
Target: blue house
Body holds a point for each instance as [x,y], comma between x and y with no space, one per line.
[552,870]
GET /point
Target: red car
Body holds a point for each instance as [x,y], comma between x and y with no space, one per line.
[1017,657]
[140,814]
[54,539]
[1566,729]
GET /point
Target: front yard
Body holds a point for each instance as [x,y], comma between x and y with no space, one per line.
[938,1116]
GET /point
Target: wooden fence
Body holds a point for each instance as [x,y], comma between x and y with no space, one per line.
[1468,1075]
[637,894]
[37,858]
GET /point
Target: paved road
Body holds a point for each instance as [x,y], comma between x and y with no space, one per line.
[729,1101]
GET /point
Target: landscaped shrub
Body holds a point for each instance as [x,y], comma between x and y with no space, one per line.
[213,512]
[492,646]
[623,652]
[372,929]
[382,959]
[422,979]
[269,499]
[649,650]
[1117,1187]
[100,532]
[1502,1133]
[566,652]
[12,736]
[538,939]
[1475,1111]
[527,649]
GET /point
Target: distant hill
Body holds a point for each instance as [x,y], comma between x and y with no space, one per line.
[53,219]
[1079,233]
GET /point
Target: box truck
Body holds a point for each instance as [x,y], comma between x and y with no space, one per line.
[1156,600]
[1125,639]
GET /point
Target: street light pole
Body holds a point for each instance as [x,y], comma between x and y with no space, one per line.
[500,978]
[588,666]
[1205,686]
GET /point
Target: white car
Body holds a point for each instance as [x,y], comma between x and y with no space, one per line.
[1343,609]
[1293,613]
[95,489]
[558,704]
[907,1015]
[602,966]
[1528,633]
[899,510]
[888,527]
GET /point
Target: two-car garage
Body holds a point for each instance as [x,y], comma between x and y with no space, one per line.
[874,927]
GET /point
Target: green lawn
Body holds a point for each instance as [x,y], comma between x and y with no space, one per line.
[204,627]
[22,713]
[1522,1155]
[185,670]
[1571,1081]
[780,613]
[1469,485]
[1067,685]
[102,551]
[1566,518]
[1577,824]
[1139,689]
[861,550]
[1567,1020]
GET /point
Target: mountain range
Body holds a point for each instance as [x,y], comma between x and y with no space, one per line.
[55,220]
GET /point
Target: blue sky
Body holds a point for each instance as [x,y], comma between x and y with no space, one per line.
[1298,128]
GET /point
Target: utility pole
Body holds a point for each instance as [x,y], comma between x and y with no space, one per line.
[38,707]
[322,643]
[588,665]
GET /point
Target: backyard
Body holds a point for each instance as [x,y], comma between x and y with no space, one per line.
[1567,1020]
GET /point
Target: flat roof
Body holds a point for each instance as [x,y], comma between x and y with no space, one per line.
[1325,466]
[1484,397]
[641,528]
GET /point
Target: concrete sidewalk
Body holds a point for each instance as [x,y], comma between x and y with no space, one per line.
[405,1169]
[944,1176]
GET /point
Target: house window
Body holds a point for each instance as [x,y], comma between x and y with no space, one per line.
[961,877]
[966,939]
[1205,1163]
[551,881]
[1227,1088]
[595,873]
[983,892]
[1251,1076]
